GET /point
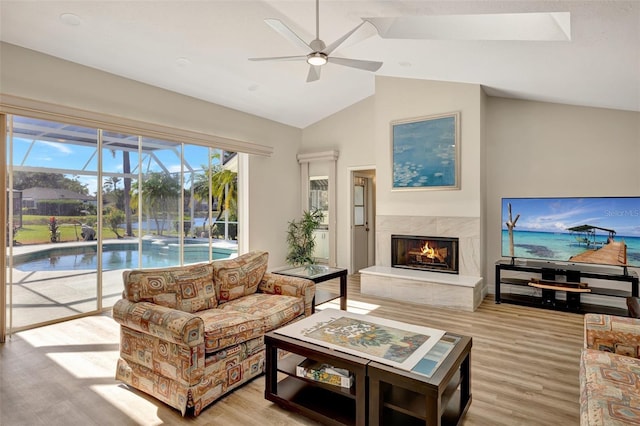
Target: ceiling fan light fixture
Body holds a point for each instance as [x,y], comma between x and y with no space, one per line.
[316,58]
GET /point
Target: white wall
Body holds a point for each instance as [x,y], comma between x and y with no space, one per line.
[349,131]
[537,149]
[361,133]
[274,193]
[398,98]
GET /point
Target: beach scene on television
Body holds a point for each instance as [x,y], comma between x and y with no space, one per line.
[592,230]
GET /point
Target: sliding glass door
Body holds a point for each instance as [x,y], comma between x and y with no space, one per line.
[88,203]
[54,169]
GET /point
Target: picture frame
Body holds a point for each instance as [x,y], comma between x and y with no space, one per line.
[425,153]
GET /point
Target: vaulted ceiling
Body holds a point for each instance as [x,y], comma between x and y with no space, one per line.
[201,49]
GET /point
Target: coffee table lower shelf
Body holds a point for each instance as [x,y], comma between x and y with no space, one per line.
[328,404]
[407,398]
[314,402]
[398,415]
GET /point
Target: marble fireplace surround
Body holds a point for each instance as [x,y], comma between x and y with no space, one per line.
[462,291]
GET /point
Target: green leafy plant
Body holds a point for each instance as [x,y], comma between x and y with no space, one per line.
[300,238]
[114,217]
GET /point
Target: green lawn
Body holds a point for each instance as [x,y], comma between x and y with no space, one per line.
[35,229]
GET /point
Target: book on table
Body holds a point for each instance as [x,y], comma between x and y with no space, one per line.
[324,373]
[432,360]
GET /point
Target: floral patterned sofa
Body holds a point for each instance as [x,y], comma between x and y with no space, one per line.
[191,334]
[610,371]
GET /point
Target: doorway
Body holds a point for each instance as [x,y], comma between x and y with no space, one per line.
[362,219]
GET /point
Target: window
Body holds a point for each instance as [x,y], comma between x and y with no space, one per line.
[93,202]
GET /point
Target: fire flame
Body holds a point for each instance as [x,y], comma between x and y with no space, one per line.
[428,251]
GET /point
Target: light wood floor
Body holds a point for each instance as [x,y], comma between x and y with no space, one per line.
[524,371]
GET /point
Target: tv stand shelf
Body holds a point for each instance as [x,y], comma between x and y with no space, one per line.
[546,297]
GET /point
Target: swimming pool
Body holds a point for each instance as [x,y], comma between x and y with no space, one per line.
[155,254]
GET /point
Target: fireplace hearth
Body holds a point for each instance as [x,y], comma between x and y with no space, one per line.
[435,254]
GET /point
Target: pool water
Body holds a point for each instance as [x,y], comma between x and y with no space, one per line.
[114,256]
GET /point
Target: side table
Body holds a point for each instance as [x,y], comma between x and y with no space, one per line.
[318,274]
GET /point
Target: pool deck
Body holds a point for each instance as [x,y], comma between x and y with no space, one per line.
[42,296]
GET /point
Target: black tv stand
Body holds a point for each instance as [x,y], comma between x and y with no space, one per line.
[548,280]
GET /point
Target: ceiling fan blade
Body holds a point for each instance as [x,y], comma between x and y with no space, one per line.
[497,26]
[314,73]
[287,33]
[356,63]
[281,58]
[333,46]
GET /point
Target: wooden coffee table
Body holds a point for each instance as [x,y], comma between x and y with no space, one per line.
[328,404]
[380,394]
[400,397]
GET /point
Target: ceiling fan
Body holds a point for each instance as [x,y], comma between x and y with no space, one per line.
[318,52]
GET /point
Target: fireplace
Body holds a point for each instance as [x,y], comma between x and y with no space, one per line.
[436,254]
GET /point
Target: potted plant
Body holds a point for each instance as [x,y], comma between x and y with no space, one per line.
[300,238]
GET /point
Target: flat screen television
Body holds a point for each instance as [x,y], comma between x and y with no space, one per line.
[593,230]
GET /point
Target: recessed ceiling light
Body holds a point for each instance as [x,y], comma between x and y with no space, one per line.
[183,62]
[70,19]
[405,64]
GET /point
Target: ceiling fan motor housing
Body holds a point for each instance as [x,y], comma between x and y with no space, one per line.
[317,45]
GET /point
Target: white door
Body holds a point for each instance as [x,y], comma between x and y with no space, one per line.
[362,253]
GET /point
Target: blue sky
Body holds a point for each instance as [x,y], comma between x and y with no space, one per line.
[63,156]
[557,214]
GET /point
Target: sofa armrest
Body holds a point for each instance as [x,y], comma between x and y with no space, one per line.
[611,333]
[289,286]
[165,323]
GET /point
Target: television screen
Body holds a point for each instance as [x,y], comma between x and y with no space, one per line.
[596,230]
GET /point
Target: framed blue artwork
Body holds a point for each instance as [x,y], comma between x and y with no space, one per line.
[426,152]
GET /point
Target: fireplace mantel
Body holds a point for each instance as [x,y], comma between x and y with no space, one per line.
[427,288]
[466,229]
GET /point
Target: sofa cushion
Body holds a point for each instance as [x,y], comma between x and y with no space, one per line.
[239,277]
[610,333]
[224,328]
[274,310]
[196,292]
[609,389]
[188,288]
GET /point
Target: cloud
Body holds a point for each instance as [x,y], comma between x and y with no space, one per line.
[62,148]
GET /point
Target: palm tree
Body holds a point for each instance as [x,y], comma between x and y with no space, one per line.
[159,192]
[224,187]
[111,193]
[126,170]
